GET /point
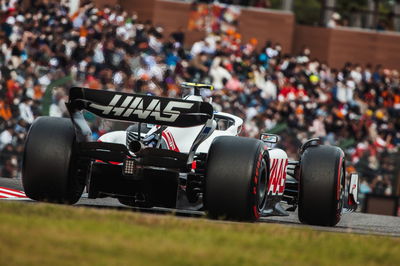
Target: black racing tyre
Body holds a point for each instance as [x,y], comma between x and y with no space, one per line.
[236,178]
[49,169]
[321,186]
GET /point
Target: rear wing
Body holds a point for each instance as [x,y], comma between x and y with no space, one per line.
[139,108]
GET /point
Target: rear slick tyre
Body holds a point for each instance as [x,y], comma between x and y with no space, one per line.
[236,178]
[321,186]
[49,169]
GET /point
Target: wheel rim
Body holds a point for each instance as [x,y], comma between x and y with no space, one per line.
[262,186]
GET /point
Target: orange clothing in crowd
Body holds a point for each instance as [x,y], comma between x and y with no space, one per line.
[38,93]
[5,111]
[387,99]
[397,99]
[12,89]
[83,32]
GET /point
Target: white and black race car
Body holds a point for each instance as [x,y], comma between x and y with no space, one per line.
[191,157]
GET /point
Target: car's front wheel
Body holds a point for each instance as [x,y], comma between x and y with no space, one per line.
[321,186]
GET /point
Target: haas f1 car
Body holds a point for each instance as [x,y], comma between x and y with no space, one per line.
[180,153]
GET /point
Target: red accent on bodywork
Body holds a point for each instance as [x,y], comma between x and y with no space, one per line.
[116,163]
[272,175]
[169,139]
[100,161]
[351,201]
[277,176]
[271,171]
[194,165]
[282,176]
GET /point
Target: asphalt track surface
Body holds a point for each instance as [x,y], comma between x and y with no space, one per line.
[359,223]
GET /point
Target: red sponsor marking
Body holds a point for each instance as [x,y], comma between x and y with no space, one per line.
[277,176]
[272,175]
[169,139]
[173,140]
[277,179]
[282,177]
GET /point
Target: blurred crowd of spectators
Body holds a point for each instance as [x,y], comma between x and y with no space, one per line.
[297,96]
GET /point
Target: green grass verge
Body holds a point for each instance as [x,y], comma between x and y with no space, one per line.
[44,234]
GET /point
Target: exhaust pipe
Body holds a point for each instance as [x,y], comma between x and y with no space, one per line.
[135,146]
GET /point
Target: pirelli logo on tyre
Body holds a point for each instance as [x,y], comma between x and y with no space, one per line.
[134,106]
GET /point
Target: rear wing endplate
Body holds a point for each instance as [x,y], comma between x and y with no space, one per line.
[139,108]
